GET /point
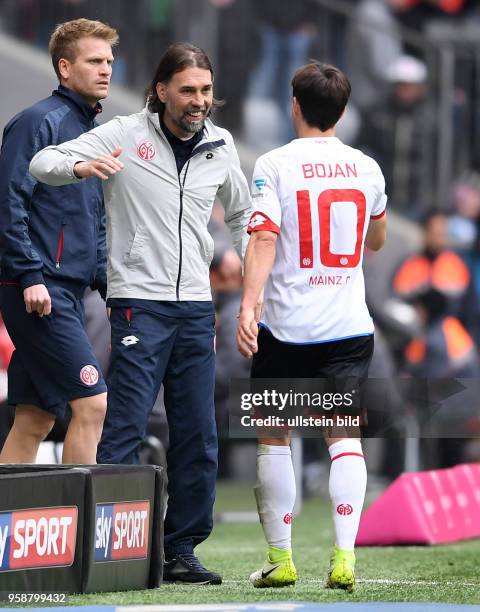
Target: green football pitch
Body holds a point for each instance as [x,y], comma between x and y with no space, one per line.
[389,574]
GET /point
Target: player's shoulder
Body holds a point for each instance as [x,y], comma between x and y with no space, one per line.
[224,142]
[29,119]
[275,158]
[215,132]
[132,121]
[137,125]
[367,162]
[37,111]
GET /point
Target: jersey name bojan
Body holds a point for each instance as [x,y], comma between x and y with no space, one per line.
[318,195]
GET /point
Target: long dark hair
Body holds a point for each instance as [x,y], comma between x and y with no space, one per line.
[177,58]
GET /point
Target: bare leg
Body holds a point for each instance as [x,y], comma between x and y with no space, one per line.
[271,441]
[30,427]
[330,441]
[85,429]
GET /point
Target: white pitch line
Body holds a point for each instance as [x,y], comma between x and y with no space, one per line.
[419,582]
[261,546]
[386,581]
[227,550]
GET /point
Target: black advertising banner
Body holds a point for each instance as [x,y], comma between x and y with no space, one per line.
[41,529]
[120,506]
[81,529]
[156,563]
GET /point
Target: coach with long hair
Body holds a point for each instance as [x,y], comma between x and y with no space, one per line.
[162,170]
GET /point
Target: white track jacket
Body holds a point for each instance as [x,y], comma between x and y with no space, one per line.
[159,247]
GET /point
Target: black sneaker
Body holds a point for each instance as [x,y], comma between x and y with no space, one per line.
[186,568]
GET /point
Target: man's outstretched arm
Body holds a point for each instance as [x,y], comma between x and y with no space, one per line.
[259,260]
[94,153]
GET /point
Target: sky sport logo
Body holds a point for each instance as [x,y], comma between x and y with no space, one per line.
[122,531]
[38,538]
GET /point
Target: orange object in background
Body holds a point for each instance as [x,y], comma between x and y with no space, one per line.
[444,349]
[459,342]
[447,273]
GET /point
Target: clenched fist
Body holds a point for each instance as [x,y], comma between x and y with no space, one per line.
[37,299]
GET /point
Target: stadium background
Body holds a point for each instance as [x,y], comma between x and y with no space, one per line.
[427,144]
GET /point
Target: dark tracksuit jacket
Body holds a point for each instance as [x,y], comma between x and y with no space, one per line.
[49,234]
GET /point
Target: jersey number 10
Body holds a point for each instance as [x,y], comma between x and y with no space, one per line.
[325,201]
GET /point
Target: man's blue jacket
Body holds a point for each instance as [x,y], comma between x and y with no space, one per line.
[50,235]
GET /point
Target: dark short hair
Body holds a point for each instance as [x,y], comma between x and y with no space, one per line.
[177,58]
[322,91]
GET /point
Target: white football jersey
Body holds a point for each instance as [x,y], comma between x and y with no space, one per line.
[318,195]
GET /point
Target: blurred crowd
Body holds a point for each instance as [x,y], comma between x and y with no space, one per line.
[414,66]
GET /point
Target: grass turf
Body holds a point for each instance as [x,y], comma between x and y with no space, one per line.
[434,574]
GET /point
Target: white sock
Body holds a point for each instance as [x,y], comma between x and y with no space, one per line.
[347,485]
[275,493]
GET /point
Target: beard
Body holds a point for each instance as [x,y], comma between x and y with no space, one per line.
[192,127]
[185,124]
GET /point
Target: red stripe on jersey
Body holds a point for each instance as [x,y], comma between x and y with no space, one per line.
[305,229]
[259,222]
[377,216]
[347,455]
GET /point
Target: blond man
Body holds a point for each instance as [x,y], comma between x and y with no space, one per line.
[52,246]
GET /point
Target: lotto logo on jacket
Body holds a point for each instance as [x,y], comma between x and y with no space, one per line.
[122,530]
[38,537]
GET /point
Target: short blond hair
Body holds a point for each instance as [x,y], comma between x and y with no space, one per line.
[63,41]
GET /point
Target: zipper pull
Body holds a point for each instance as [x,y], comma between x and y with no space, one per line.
[61,239]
